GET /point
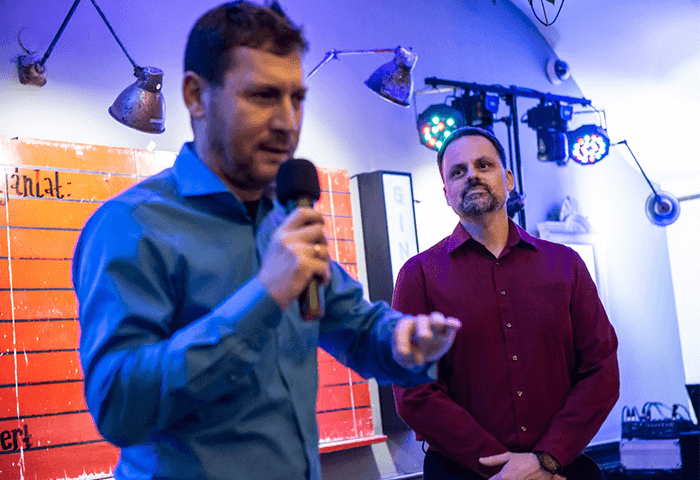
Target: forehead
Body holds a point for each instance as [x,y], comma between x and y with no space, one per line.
[259,67]
[468,149]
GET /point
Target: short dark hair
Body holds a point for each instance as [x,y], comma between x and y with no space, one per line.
[238,24]
[471,132]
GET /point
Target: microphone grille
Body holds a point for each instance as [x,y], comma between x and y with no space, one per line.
[297,178]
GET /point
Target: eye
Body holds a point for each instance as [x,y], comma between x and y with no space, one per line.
[265,96]
[299,98]
[456,172]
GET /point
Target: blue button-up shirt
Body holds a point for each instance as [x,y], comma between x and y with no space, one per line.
[190,366]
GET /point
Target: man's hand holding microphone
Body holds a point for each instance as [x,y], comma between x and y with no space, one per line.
[297,262]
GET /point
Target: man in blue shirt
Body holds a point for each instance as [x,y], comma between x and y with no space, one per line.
[196,360]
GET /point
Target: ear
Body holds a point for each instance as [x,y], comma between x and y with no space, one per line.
[510,182]
[444,190]
[193,87]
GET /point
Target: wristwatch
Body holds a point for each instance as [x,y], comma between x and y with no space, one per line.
[548,462]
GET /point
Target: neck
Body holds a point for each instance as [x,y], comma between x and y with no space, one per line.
[491,230]
[213,160]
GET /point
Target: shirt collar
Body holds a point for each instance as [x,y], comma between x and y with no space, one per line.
[193,177]
[516,235]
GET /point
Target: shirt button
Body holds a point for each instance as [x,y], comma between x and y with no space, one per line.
[503,292]
[509,325]
[523,428]
[520,393]
[515,358]
[497,264]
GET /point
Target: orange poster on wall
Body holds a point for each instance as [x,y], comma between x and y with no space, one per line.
[47,192]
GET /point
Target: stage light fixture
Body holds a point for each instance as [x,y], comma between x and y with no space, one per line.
[140,106]
[550,120]
[437,123]
[479,108]
[588,144]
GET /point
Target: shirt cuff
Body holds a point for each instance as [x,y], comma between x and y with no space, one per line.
[432,371]
[428,371]
[251,311]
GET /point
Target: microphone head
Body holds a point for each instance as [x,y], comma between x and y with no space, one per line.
[297,178]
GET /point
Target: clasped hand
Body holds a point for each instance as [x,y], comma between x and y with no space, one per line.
[518,466]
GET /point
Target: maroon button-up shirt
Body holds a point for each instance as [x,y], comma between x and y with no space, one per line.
[534,366]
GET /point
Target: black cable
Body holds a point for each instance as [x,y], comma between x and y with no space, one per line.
[675,409]
[546,23]
[600,112]
[646,409]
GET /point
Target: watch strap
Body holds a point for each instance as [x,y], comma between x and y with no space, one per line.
[548,462]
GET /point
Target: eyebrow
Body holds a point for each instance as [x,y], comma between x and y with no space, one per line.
[479,159]
[271,86]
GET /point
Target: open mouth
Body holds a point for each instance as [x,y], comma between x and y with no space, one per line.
[275,150]
[276,153]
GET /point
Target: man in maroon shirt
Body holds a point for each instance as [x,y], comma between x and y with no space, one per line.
[533,372]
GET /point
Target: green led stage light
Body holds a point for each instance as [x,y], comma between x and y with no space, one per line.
[437,123]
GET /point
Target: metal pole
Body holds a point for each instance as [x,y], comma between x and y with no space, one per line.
[512,90]
[518,164]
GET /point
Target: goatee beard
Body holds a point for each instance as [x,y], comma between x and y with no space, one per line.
[483,203]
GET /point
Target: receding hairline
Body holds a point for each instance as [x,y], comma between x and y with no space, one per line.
[497,155]
[470,131]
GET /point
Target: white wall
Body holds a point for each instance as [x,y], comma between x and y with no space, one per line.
[347,126]
[684,248]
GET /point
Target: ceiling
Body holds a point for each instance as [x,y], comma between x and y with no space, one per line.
[640,61]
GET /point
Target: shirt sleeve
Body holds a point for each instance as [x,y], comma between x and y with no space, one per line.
[359,334]
[142,374]
[596,379]
[428,409]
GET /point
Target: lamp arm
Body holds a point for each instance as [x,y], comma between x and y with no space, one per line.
[624,142]
[40,63]
[334,54]
[137,69]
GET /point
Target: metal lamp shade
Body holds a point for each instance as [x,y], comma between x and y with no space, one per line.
[662,208]
[141,105]
[393,80]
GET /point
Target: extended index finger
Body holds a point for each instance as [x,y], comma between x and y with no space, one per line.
[442,325]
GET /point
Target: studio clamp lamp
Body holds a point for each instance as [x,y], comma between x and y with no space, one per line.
[662,208]
[393,81]
[140,106]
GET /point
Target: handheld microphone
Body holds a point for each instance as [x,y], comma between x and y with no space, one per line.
[298,186]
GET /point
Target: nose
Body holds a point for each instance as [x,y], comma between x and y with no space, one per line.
[471,174]
[286,116]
